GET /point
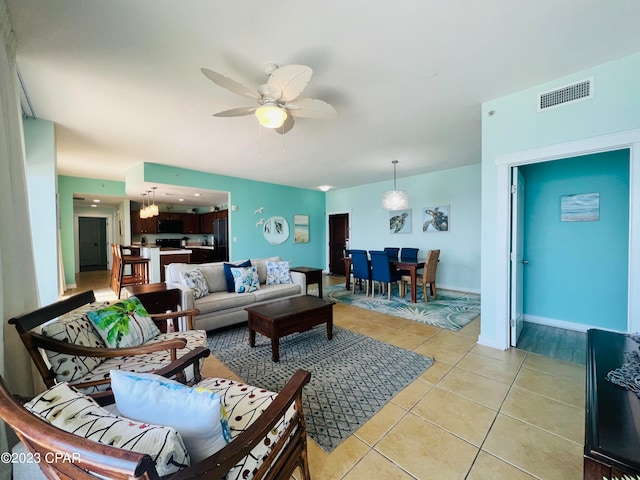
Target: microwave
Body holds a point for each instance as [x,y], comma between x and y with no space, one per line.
[170,226]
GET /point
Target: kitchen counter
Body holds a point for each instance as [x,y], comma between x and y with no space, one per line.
[175,251]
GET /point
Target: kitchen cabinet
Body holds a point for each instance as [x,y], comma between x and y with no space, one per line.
[143,225]
[201,255]
[191,223]
[206,222]
[166,259]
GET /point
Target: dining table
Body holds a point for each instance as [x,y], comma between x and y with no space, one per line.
[405,267]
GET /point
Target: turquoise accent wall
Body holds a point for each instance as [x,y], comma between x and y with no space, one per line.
[245,239]
[67,186]
[577,271]
[516,125]
[40,154]
[459,188]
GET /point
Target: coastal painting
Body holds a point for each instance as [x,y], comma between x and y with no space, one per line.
[435,219]
[301,228]
[583,207]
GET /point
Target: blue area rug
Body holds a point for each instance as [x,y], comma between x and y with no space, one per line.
[452,310]
[352,375]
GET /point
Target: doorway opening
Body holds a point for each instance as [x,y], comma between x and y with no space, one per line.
[338,242]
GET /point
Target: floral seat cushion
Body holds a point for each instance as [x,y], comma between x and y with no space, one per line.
[148,362]
[244,404]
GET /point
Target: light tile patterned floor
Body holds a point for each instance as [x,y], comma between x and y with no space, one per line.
[477,413]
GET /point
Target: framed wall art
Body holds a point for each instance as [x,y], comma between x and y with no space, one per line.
[400,221]
[435,219]
[301,229]
[584,207]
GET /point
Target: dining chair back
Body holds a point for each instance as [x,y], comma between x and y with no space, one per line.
[382,271]
[428,275]
[360,269]
[392,253]
[409,255]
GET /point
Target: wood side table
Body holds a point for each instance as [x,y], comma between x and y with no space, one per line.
[157,298]
[312,275]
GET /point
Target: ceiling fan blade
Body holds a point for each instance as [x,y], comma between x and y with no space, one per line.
[286,126]
[310,108]
[231,85]
[287,82]
[236,112]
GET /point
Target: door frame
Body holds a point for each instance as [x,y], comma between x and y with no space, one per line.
[326,242]
[504,164]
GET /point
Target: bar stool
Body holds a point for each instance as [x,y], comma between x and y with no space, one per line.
[139,269]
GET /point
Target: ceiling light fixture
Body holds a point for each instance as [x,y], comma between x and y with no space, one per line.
[270,115]
[395,199]
[324,188]
[144,213]
[153,209]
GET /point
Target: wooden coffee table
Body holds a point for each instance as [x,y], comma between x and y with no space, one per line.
[279,318]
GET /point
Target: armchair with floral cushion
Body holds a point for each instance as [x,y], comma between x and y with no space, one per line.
[78,340]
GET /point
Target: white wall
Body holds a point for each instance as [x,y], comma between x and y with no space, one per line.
[459,266]
[40,152]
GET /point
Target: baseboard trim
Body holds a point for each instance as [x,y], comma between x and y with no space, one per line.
[490,342]
[552,322]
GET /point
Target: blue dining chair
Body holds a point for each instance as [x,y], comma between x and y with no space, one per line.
[360,270]
[382,271]
[409,255]
[392,253]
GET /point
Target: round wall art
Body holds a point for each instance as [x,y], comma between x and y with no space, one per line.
[276,230]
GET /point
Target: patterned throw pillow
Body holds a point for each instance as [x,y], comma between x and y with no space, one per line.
[74,327]
[194,279]
[76,413]
[196,413]
[231,284]
[278,273]
[124,324]
[245,279]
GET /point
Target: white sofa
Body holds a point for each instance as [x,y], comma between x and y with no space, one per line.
[221,308]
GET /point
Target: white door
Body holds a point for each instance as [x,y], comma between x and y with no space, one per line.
[517,260]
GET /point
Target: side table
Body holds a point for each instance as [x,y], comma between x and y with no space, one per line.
[156,298]
[312,275]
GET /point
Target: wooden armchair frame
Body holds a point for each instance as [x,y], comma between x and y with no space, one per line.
[34,341]
[79,456]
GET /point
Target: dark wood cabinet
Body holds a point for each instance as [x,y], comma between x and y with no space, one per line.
[191,223]
[172,258]
[206,222]
[143,225]
[201,255]
[612,436]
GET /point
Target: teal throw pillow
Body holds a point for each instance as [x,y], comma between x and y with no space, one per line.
[245,279]
[194,279]
[231,285]
[124,324]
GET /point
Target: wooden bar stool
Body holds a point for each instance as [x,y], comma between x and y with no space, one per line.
[139,270]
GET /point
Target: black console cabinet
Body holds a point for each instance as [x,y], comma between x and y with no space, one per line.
[612,429]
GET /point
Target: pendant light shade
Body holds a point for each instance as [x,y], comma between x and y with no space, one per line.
[271,116]
[395,199]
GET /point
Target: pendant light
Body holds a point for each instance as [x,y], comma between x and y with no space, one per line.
[153,209]
[395,199]
[143,209]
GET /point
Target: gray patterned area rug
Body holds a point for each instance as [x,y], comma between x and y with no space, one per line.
[352,375]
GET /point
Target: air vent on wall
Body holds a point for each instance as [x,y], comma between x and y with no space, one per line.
[557,97]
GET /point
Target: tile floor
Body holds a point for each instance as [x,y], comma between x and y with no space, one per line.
[478,413]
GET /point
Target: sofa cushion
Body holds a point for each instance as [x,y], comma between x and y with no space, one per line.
[244,404]
[124,324]
[218,301]
[271,292]
[73,327]
[246,279]
[76,413]
[231,284]
[194,279]
[196,413]
[149,361]
[261,266]
[278,273]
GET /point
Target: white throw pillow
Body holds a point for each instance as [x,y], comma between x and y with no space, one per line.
[278,273]
[70,410]
[194,279]
[246,279]
[197,414]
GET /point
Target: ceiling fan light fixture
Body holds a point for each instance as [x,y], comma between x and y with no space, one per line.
[271,116]
[395,199]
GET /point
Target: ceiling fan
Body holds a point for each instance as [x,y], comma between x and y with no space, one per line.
[277,100]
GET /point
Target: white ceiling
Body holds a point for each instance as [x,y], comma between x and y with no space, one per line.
[121,78]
